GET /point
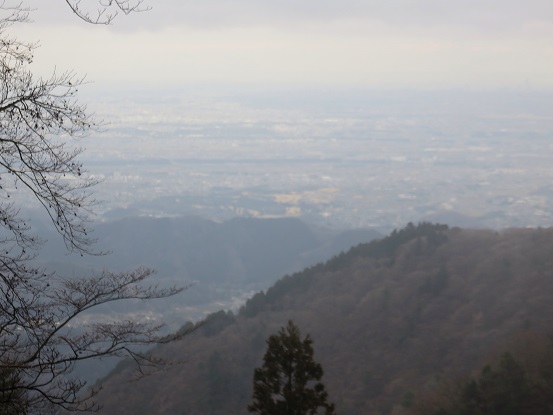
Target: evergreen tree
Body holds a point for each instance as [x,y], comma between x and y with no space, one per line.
[289,382]
[501,391]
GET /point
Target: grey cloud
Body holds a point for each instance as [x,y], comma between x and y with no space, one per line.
[481,15]
[501,13]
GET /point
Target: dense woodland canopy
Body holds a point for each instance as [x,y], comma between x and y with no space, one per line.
[393,321]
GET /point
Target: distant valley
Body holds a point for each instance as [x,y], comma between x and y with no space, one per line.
[355,159]
[223,263]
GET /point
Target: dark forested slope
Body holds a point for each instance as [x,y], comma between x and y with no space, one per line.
[387,318]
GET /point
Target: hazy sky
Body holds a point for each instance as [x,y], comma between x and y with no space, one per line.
[382,44]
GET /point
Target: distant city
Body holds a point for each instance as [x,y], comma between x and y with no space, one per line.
[339,159]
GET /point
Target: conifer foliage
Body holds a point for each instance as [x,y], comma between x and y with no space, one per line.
[289,382]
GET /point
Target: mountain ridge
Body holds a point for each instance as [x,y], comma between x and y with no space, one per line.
[386,318]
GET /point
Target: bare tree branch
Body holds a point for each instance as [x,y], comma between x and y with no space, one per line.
[44,332]
[107,11]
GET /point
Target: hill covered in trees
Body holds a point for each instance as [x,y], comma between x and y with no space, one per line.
[388,320]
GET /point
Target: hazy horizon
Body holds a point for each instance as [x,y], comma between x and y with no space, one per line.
[352,113]
[400,44]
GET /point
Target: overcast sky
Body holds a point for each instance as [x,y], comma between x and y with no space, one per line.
[367,43]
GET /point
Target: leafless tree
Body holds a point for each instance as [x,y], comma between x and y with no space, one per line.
[43,332]
[106,10]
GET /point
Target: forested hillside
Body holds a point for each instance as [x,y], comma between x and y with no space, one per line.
[388,319]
